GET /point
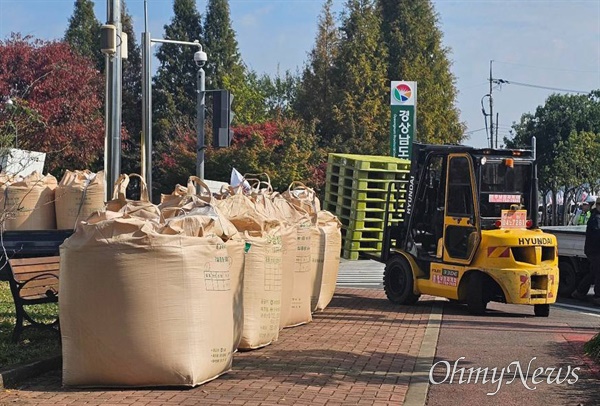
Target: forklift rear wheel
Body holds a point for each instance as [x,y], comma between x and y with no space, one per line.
[476,303]
[541,310]
[398,282]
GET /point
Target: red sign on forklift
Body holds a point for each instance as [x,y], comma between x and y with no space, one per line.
[513,219]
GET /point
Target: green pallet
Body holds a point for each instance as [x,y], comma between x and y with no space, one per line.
[333,192]
[358,218]
[371,204]
[367,246]
[353,173]
[366,203]
[364,234]
[351,255]
[369,223]
[362,215]
[371,185]
[368,162]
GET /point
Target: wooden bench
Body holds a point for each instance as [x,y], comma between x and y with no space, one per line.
[34,281]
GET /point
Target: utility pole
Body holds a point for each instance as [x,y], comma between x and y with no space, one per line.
[497,125]
[491,110]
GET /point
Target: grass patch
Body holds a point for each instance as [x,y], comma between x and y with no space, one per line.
[592,348]
[33,343]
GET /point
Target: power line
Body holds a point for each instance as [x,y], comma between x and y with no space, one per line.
[475,131]
[558,89]
[547,68]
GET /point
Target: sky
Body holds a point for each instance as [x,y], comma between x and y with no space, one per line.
[534,44]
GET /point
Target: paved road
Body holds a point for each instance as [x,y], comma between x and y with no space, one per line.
[508,334]
[360,274]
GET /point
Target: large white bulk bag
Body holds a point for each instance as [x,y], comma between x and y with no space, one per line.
[29,203]
[300,310]
[203,221]
[141,308]
[329,263]
[142,208]
[78,195]
[303,198]
[289,243]
[262,270]
[189,201]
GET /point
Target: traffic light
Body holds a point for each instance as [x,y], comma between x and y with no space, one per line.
[222,117]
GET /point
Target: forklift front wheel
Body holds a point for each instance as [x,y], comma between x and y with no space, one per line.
[541,310]
[398,282]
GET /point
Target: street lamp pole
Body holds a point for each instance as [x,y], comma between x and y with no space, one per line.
[200,103]
[112,150]
[200,60]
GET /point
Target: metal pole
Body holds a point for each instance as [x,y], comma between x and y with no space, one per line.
[497,125]
[146,142]
[112,151]
[200,124]
[491,110]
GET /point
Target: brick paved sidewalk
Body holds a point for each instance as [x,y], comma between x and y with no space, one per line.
[360,350]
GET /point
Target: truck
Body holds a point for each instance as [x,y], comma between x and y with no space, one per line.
[469,231]
[572,262]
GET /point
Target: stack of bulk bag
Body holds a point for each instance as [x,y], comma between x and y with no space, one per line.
[329,263]
[300,310]
[144,304]
[262,271]
[78,195]
[29,203]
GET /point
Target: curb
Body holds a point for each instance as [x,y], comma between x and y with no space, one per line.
[418,388]
[13,375]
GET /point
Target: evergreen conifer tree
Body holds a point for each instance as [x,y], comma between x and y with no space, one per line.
[83,33]
[175,81]
[360,110]
[131,95]
[175,91]
[315,92]
[410,30]
[221,46]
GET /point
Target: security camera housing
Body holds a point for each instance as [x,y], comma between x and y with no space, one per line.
[200,58]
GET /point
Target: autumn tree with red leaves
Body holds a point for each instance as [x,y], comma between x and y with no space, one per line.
[282,148]
[56,103]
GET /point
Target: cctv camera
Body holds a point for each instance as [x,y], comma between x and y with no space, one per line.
[200,58]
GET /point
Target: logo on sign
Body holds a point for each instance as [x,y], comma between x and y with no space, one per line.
[402,93]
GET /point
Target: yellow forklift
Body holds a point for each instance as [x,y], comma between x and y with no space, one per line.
[469,231]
